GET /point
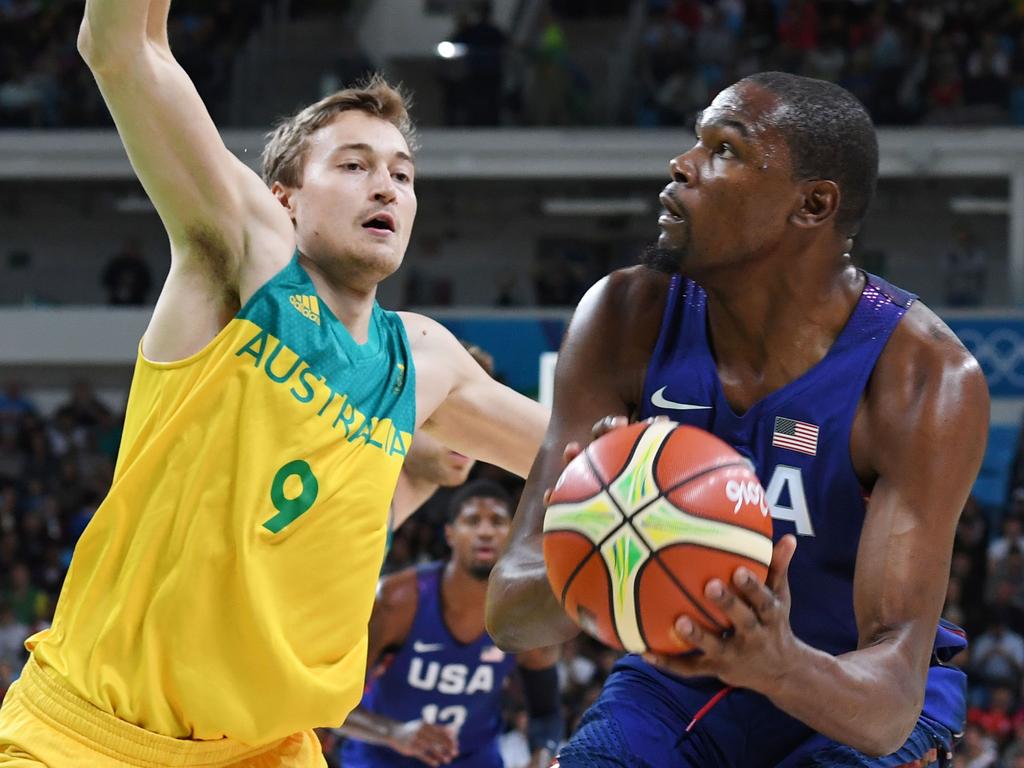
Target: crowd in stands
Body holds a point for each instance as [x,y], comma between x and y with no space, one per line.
[45,83]
[910,62]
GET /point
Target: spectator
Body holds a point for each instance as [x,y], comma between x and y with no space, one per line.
[27,602]
[996,719]
[12,637]
[84,408]
[999,655]
[977,750]
[127,277]
[478,93]
[966,268]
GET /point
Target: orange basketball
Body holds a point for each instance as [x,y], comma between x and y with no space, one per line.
[641,521]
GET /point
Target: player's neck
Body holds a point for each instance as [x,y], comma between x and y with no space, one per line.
[463,596]
[766,316]
[348,296]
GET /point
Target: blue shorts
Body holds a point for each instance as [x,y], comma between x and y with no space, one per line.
[642,715]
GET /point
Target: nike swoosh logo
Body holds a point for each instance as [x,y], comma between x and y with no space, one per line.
[658,400]
[419,647]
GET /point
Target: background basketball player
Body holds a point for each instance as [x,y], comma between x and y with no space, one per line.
[272,405]
[438,699]
[770,321]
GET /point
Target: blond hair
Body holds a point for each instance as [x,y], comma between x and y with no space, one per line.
[284,155]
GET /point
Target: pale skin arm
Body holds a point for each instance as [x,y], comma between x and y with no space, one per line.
[925,436]
[390,623]
[592,381]
[212,206]
[462,406]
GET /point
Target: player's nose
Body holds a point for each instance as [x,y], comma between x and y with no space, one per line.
[680,168]
[382,186]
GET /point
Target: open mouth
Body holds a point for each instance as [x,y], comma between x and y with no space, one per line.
[670,208]
[382,222]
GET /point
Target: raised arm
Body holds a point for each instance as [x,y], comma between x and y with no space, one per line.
[599,373]
[211,204]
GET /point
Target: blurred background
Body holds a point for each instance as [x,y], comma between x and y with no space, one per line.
[547,127]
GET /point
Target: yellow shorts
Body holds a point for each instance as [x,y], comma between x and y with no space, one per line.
[43,723]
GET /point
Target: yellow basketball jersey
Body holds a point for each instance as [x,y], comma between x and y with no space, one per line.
[224,586]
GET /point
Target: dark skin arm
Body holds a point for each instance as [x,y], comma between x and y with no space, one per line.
[541,658]
[918,438]
[600,372]
[390,623]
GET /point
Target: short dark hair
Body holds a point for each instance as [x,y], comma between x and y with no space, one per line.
[830,136]
[477,489]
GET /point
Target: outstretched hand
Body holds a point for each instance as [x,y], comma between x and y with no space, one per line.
[758,651]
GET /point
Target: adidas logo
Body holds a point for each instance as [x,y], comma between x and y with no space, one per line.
[308,306]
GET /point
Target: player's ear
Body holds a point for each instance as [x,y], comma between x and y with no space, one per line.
[285,196]
[448,534]
[819,202]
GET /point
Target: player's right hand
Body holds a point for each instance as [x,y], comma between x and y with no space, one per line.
[432,744]
[600,428]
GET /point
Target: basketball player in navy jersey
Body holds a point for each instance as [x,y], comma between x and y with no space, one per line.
[866,420]
[439,700]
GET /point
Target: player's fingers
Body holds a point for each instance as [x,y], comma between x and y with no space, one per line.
[571,451]
[444,740]
[607,424]
[690,633]
[764,602]
[778,571]
[739,613]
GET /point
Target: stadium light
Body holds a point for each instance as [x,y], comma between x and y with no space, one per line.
[449,50]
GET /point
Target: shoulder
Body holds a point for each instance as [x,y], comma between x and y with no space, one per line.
[926,390]
[615,328]
[398,591]
[633,293]
[924,354]
[425,333]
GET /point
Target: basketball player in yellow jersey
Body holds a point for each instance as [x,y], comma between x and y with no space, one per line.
[216,607]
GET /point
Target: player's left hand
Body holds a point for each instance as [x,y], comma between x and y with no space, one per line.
[760,647]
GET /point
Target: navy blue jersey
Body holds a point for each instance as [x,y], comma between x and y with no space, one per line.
[434,677]
[798,437]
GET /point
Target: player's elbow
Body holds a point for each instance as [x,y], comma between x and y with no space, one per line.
[103,55]
[890,732]
[497,612]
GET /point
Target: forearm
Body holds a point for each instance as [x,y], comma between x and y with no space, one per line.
[370,727]
[868,699]
[522,613]
[117,29]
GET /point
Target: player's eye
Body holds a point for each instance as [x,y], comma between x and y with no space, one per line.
[351,166]
[724,150]
[402,177]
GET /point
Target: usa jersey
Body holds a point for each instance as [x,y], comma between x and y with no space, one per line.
[435,678]
[798,438]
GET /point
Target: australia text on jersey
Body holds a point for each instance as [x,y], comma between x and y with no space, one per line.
[312,388]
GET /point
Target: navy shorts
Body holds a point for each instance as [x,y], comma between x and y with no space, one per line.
[642,716]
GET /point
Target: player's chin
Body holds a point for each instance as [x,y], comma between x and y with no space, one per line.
[481,568]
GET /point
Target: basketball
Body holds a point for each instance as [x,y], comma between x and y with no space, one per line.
[638,524]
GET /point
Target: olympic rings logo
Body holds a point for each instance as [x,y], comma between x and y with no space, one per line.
[1000,353]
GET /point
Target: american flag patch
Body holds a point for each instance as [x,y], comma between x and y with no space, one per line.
[795,435]
[492,654]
